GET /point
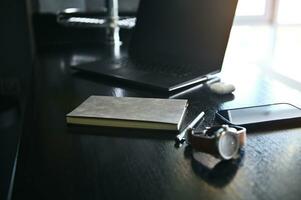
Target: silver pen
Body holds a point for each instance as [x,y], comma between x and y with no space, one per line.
[181,137]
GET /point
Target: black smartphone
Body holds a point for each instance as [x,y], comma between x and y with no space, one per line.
[278,115]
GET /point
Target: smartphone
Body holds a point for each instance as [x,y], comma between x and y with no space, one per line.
[278,115]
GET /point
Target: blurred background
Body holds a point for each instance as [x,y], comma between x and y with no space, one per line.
[266,33]
[249,11]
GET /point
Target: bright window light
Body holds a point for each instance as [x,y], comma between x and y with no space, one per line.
[251,7]
[289,12]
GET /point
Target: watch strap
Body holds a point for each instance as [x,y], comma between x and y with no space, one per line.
[204,141]
[242,134]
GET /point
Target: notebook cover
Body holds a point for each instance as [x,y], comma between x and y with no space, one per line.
[153,110]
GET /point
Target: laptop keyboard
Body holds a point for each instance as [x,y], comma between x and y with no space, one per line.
[179,71]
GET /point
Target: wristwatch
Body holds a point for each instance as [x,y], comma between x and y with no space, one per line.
[224,141]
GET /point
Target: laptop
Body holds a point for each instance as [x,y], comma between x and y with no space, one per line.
[175,44]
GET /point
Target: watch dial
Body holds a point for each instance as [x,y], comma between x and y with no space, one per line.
[228,145]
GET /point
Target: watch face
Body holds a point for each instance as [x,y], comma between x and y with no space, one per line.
[228,145]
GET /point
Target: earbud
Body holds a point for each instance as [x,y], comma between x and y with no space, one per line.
[222,88]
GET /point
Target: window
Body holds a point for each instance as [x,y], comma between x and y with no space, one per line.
[289,12]
[251,8]
[254,11]
[280,43]
[268,11]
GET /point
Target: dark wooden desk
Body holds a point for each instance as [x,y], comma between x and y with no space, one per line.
[57,163]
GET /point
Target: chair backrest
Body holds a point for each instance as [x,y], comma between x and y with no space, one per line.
[16,60]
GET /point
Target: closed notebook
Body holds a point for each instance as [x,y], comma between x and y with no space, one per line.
[129,112]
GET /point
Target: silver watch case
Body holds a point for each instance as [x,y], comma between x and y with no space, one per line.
[227,142]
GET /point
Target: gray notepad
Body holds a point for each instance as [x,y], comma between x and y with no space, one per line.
[129,112]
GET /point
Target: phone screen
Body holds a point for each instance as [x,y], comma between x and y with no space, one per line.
[258,114]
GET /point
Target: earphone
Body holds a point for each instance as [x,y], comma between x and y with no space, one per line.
[222,88]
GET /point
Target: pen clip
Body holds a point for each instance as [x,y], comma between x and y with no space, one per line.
[181,137]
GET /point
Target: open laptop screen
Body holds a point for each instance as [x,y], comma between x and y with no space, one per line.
[183,32]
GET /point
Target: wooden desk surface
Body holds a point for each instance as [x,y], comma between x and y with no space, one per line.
[57,163]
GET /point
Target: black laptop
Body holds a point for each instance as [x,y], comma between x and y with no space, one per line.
[175,44]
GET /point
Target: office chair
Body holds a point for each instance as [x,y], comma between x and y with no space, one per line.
[112,22]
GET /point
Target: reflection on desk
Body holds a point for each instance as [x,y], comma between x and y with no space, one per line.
[218,173]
